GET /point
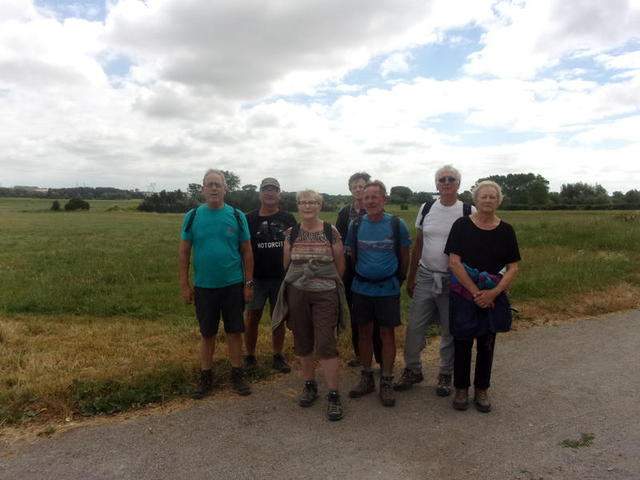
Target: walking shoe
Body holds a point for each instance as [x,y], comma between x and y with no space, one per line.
[408,378]
[386,391]
[250,362]
[444,385]
[354,362]
[481,400]
[334,406]
[204,385]
[309,393]
[461,400]
[280,364]
[366,384]
[240,386]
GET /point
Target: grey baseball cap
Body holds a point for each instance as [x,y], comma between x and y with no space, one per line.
[269,182]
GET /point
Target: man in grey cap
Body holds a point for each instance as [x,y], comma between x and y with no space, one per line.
[266,226]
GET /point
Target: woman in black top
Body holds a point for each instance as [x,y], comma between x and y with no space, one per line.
[483,257]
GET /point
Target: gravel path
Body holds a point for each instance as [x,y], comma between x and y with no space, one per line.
[550,384]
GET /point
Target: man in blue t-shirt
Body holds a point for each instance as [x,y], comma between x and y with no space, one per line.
[379,247]
[223,277]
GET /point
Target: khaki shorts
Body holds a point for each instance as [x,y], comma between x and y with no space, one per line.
[313,318]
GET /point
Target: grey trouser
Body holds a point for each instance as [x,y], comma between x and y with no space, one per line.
[428,307]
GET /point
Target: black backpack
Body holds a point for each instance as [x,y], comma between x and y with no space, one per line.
[466,210]
[395,228]
[192,217]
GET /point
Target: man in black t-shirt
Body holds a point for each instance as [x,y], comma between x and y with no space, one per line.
[266,226]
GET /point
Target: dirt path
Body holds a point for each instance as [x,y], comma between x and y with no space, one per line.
[550,384]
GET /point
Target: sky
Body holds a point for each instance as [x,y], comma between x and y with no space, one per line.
[149,94]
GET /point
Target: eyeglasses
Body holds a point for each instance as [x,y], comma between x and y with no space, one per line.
[308,203]
[213,185]
[447,180]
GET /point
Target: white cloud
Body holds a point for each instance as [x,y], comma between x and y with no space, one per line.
[533,34]
[396,63]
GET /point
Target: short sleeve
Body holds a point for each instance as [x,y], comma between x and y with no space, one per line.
[184,235]
[419,216]
[245,234]
[455,239]
[513,251]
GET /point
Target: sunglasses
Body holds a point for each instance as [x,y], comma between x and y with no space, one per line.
[447,180]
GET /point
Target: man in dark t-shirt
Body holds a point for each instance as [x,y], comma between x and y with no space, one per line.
[266,226]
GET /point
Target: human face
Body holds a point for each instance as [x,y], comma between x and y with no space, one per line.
[357,188]
[270,196]
[487,200]
[374,202]
[213,190]
[308,207]
[447,184]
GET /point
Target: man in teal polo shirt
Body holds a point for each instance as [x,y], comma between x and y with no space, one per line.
[223,277]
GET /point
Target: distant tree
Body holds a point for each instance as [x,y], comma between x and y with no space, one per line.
[466,197]
[522,188]
[232,180]
[249,188]
[633,196]
[421,197]
[245,200]
[400,194]
[618,198]
[76,204]
[194,190]
[583,194]
[55,206]
[167,202]
[288,202]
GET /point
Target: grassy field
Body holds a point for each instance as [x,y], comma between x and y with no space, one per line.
[91,320]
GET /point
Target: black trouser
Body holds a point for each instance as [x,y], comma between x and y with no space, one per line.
[484,359]
[355,336]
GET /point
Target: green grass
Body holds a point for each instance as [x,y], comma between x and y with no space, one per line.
[91,319]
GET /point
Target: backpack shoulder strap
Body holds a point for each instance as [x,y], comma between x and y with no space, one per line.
[295,231]
[190,220]
[395,228]
[466,209]
[426,208]
[328,231]
[238,219]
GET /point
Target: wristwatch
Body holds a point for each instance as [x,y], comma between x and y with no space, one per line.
[248,283]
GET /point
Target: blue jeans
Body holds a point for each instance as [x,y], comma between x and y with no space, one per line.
[428,307]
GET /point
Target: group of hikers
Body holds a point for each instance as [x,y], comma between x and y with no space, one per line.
[461,265]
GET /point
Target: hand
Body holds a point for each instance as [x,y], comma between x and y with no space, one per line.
[248,294]
[485,298]
[187,294]
[411,285]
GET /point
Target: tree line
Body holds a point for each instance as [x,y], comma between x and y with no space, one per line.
[86,193]
[522,191]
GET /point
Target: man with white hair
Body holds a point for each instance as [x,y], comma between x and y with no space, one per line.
[428,282]
[223,280]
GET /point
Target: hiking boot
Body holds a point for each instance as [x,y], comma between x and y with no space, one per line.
[386,395]
[461,400]
[309,393]
[354,363]
[280,364]
[250,362]
[444,385]
[334,406]
[365,385]
[240,386]
[204,385]
[481,400]
[408,378]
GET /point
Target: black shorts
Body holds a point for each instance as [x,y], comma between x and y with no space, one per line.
[211,302]
[385,311]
